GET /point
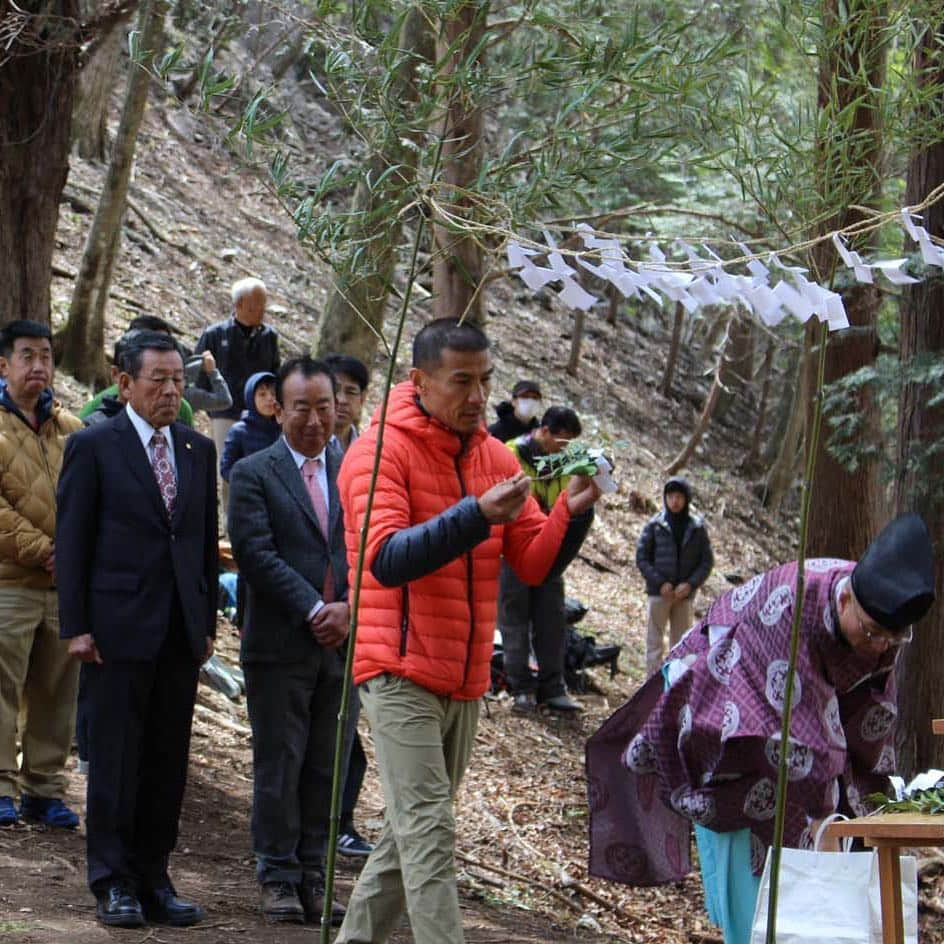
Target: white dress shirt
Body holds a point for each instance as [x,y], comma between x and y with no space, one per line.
[146,431]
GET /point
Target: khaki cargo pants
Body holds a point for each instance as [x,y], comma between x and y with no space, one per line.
[38,685]
[423,743]
[678,615]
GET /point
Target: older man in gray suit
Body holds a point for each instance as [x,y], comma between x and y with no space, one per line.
[288,540]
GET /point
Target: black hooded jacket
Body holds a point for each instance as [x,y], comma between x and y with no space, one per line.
[661,560]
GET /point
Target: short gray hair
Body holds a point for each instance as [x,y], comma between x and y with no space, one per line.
[245,287]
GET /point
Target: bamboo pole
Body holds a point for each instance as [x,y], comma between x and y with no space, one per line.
[808,479]
[338,777]
[340,737]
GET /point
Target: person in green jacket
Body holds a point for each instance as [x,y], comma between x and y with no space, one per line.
[534,616]
[106,401]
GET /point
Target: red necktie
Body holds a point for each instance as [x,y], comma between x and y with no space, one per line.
[310,474]
[164,472]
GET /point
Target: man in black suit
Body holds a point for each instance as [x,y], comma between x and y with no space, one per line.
[288,539]
[136,560]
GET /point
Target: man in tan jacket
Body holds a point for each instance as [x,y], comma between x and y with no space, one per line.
[38,678]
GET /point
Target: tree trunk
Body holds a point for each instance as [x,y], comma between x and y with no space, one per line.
[82,351]
[764,373]
[353,316]
[37,87]
[735,365]
[613,298]
[786,441]
[701,427]
[576,341]
[716,323]
[849,156]
[921,694]
[457,263]
[93,95]
[665,388]
[681,460]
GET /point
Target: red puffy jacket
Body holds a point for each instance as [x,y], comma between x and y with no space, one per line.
[437,630]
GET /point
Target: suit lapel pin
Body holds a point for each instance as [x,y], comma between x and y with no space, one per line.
[188,445]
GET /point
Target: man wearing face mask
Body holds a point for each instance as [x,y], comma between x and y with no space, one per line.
[520,416]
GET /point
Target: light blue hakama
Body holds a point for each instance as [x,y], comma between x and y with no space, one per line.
[730,886]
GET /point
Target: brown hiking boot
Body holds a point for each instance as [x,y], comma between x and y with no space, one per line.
[280,903]
[311,895]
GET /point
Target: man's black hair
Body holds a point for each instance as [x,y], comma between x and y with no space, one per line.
[125,342]
[150,323]
[132,356]
[526,386]
[350,366]
[23,328]
[445,333]
[561,419]
[307,366]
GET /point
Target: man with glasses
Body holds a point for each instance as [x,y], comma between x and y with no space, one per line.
[700,742]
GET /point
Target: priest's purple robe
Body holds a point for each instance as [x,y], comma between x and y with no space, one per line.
[700,741]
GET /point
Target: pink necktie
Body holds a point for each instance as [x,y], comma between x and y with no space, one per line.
[164,472]
[310,473]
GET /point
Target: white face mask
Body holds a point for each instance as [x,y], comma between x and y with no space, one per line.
[527,408]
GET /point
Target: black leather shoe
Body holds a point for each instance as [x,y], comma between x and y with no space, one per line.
[162,906]
[118,908]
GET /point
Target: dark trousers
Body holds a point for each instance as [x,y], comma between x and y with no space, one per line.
[532,617]
[293,710]
[139,716]
[81,714]
[355,763]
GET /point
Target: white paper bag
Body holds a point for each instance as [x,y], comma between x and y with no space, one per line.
[832,898]
[823,898]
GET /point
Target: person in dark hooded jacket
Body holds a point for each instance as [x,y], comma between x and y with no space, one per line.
[520,415]
[257,428]
[674,556]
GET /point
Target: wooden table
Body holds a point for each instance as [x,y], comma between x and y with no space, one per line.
[888,833]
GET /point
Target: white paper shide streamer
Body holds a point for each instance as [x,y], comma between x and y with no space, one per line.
[771,291]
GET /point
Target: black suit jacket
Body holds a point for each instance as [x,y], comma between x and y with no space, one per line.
[281,551]
[119,558]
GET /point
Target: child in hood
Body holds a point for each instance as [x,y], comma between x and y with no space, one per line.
[257,428]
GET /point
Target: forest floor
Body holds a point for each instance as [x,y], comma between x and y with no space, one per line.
[522,815]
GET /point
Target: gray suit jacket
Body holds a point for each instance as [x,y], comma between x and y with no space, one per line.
[281,552]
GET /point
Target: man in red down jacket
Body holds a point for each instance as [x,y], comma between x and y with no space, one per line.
[450,501]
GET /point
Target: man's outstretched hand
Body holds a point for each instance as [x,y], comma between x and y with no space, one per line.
[503,502]
[582,493]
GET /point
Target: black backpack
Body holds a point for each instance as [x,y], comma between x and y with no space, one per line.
[581,653]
